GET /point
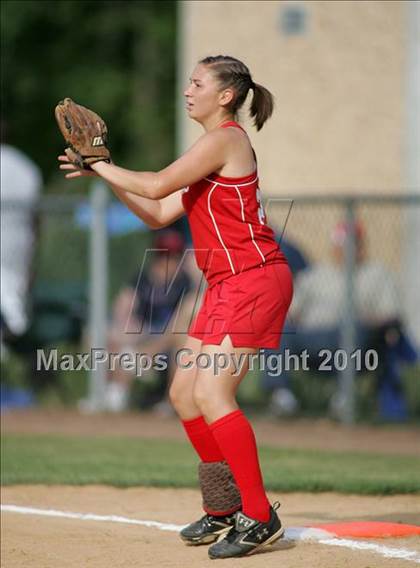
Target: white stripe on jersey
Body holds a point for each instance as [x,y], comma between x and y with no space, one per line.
[242,203]
[217,228]
[253,240]
[232,184]
[249,224]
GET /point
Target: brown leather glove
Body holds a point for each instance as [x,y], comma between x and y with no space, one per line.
[85,133]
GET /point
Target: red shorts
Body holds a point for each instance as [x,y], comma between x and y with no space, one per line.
[250,307]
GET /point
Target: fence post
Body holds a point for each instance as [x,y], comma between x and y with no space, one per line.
[411,218]
[347,376]
[98,292]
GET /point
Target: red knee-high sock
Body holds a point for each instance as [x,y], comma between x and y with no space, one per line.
[202,439]
[235,438]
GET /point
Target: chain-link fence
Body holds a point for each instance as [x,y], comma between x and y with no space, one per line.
[356,301]
[358,273]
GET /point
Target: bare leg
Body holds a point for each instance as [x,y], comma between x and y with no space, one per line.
[216,395]
[182,385]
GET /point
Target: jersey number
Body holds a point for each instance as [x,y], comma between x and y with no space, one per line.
[261,212]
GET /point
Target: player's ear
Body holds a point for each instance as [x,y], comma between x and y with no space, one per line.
[226,96]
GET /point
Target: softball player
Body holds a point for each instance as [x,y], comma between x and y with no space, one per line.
[249,291]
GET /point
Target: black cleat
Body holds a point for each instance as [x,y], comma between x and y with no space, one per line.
[207,529]
[248,535]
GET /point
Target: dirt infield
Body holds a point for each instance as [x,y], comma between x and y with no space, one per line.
[32,541]
[44,542]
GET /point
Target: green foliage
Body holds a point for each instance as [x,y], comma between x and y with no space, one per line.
[411,382]
[161,463]
[117,57]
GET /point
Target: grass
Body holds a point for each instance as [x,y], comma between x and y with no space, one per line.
[128,462]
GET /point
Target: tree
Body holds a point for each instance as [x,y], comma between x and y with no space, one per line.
[117,57]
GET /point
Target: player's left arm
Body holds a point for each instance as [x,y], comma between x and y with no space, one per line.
[207,155]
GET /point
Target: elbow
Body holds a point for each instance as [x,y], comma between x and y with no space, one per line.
[149,193]
[156,222]
[158,189]
[155,225]
[154,190]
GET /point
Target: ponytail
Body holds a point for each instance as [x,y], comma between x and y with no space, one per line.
[230,72]
[262,105]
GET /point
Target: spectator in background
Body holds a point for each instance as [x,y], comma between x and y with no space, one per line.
[21,184]
[317,313]
[146,309]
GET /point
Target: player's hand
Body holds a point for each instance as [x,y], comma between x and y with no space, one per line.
[74,172]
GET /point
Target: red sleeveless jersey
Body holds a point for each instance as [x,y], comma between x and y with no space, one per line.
[228,225]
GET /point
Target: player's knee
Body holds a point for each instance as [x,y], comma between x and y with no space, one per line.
[180,398]
[206,401]
[199,399]
[176,396]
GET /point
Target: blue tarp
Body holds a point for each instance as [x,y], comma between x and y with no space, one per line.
[119,219]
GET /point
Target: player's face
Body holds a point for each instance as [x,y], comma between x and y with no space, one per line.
[203,94]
